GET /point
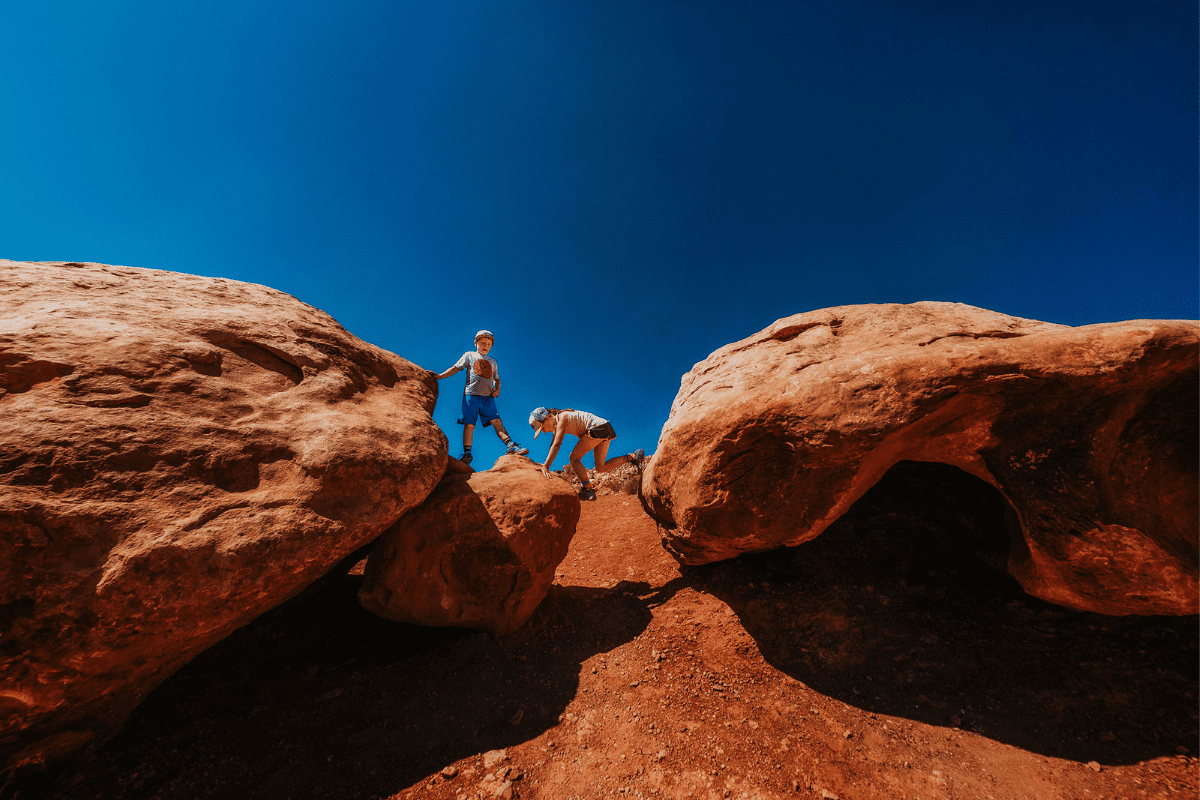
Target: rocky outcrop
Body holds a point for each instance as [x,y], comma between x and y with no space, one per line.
[480,552]
[624,479]
[177,455]
[1090,433]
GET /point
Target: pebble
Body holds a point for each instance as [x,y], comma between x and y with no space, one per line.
[493,757]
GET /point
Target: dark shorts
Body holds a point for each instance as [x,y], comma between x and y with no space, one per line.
[604,431]
[476,406]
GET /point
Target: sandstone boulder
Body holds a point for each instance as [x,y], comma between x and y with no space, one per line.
[178,454]
[1090,433]
[480,552]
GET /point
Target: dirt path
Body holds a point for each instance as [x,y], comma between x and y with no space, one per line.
[866,664]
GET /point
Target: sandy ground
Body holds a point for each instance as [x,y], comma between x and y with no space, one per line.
[886,659]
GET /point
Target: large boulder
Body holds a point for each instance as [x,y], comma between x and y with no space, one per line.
[480,552]
[177,455]
[1090,433]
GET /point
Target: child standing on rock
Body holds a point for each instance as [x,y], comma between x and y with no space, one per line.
[479,396]
[594,435]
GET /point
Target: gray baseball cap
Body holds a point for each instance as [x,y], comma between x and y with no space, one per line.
[536,418]
[484,334]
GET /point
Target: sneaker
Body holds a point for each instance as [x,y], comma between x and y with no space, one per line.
[515,449]
[636,457]
[465,458]
[587,494]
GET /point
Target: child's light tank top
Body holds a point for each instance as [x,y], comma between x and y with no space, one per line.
[578,422]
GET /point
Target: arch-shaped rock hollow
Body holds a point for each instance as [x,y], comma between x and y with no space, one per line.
[920,517]
[1090,433]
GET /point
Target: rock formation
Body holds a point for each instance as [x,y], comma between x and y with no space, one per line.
[178,454]
[480,552]
[1090,433]
[621,480]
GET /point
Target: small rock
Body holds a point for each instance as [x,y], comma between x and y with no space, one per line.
[1094,766]
[828,795]
[848,734]
[450,771]
[493,757]
[634,684]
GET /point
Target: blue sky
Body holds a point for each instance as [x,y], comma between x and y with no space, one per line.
[614,188]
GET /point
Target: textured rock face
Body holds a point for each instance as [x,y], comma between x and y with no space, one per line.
[177,455]
[621,480]
[1090,433]
[480,552]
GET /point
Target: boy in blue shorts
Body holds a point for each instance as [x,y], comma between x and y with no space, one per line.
[479,397]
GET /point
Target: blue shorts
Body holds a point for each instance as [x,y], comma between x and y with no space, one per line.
[475,405]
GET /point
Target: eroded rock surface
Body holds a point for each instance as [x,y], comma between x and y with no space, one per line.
[624,479]
[1090,433]
[480,552]
[178,454]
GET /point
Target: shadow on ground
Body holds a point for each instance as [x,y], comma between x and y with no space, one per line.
[901,608]
[318,698]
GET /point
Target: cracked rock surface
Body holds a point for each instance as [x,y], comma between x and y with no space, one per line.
[1089,433]
[178,454]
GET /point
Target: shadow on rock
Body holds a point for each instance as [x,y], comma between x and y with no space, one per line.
[319,698]
[901,608]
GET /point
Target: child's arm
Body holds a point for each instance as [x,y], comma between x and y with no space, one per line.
[458,367]
[559,432]
[496,391]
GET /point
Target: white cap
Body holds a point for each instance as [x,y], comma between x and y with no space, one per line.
[483,334]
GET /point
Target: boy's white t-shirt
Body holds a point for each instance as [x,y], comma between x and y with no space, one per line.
[477,384]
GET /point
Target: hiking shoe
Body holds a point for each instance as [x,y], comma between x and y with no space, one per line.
[515,449]
[636,457]
[587,494]
[465,458]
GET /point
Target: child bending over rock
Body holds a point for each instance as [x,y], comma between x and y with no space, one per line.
[594,435]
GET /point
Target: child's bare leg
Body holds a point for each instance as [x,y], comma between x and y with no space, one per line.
[603,462]
[585,446]
[468,436]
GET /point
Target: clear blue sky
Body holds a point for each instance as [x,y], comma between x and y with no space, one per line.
[618,187]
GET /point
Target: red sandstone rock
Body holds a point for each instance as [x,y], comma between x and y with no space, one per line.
[177,455]
[620,480]
[1090,433]
[480,552]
